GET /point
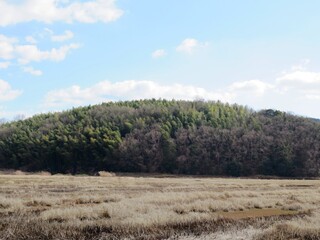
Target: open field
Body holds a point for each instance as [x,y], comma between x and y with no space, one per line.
[81,207]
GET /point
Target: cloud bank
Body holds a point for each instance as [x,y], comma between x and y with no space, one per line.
[64,37]
[49,11]
[129,90]
[159,53]
[32,71]
[6,92]
[25,53]
[286,92]
[189,45]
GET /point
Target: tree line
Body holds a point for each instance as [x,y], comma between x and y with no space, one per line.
[161,136]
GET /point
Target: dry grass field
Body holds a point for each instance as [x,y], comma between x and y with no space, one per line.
[83,207]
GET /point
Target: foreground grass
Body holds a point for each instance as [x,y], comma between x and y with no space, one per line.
[67,207]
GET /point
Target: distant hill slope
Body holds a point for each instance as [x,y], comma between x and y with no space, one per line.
[183,137]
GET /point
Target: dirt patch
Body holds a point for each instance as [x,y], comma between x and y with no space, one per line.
[43,173]
[18,172]
[35,203]
[86,201]
[249,233]
[106,174]
[257,213]
[298,186]
[4,205]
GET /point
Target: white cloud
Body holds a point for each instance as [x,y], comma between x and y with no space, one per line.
[6,92]
[7,47]
[49,11]
[31,39]
[313,95]
[4,65]
[32,71]
[297,84]
[189,45]
[305,83]
[255,87]
[29,53]
[10,49]
[64,37]
[159,53]
[302,95]
[48,31]
[131,89]
[301,66]
[7,115]
[297,79]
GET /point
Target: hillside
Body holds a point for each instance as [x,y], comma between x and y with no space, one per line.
[181,137]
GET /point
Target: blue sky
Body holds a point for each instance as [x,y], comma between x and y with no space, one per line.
[58,54]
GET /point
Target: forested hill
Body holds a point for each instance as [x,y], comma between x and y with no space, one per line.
[182,137]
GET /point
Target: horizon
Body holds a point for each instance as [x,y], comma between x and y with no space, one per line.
[60,54]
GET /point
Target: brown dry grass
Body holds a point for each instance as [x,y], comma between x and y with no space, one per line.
[71,207]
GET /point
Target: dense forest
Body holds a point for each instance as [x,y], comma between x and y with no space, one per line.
[180,137]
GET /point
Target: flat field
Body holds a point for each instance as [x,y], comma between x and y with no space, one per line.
[82,207]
